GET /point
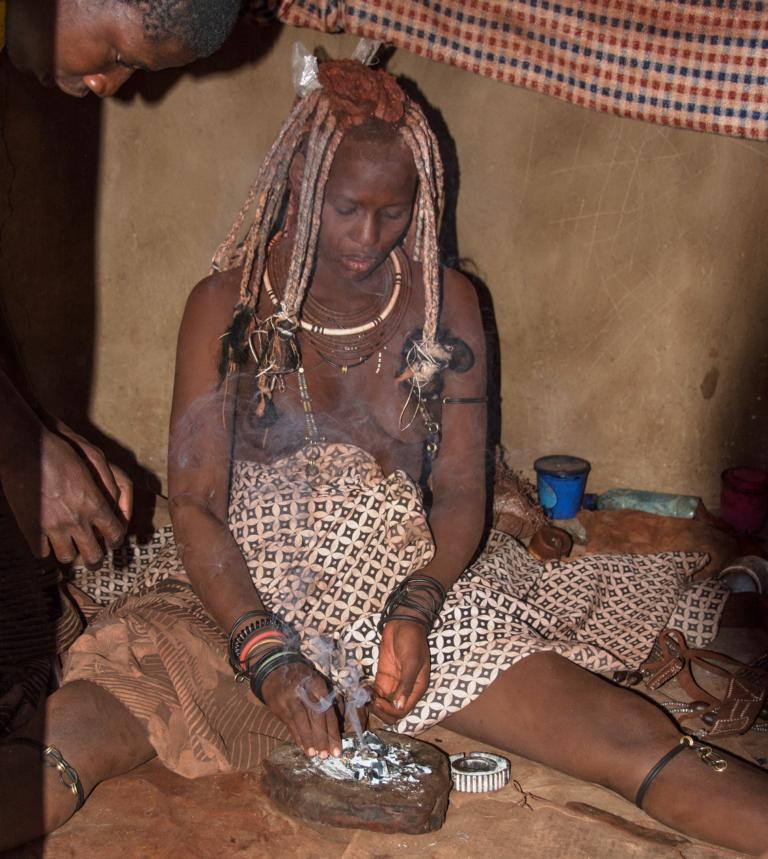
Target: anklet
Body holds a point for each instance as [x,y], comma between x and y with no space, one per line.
[706,754]
[52,757]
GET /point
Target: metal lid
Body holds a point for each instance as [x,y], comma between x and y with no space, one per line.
[561,465]
[479,772]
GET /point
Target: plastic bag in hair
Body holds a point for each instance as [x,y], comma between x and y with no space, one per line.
[304,71]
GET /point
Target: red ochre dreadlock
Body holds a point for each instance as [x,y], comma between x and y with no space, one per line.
[350,95]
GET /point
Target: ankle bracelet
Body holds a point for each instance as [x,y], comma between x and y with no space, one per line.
[52,757]
[706,754]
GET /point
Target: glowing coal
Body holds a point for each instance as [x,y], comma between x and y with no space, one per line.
[368,759]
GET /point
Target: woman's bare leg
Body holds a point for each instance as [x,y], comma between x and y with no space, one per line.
[549,710]
[94,733]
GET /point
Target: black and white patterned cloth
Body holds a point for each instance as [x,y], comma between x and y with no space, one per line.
[326,553]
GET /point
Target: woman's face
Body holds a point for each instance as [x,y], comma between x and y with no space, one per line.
[367,207]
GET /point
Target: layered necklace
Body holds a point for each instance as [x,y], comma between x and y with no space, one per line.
[345,338]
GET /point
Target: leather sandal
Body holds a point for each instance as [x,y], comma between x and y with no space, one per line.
[744,701]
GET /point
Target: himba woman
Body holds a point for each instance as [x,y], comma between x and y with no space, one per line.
[326,368]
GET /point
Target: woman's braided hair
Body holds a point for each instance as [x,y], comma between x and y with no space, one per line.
[351,96]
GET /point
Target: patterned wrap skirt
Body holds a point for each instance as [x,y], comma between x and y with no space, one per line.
[325,553]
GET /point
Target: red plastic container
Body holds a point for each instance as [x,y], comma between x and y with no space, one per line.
[744,498]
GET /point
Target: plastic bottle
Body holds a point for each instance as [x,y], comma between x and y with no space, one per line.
[659,503]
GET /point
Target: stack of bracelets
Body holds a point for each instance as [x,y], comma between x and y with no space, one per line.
[259,642]
[421,595]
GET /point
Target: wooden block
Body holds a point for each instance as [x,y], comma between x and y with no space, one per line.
[295,784]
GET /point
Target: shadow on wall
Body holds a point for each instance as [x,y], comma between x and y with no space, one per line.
[742,420]
[51,161]
[449,254]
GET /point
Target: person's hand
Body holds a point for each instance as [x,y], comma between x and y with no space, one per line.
[299,697]
[113,479]
[402,675]
[57,503]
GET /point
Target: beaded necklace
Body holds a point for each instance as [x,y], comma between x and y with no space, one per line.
[312,437]
[362,332]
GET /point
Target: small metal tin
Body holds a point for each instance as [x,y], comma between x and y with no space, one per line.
[479,772]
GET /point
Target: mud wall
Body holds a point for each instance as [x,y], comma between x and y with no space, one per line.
[626,263]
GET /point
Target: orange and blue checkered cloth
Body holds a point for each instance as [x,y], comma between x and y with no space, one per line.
[699,64]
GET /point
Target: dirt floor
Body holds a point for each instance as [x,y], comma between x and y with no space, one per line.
[153,814]
[541,814]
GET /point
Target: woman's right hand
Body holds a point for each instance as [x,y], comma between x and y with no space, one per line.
[298,696]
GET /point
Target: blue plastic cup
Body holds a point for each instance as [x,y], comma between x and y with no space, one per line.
[560,481]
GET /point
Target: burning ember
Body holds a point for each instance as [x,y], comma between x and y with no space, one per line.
[372,761]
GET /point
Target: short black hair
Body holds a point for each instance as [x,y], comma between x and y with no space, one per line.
[202,26]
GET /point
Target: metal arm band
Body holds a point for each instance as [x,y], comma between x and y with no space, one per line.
[421,594]
[271,663]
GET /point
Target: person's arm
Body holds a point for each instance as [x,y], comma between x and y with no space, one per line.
[458,478]
[198,478]
[50,488]
[457,516]
[199,457]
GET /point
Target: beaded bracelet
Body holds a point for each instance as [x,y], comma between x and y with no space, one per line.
[268,620]
[260,613]
[257,646]
[412,593]
[271,663]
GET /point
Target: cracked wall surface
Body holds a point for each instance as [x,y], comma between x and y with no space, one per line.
[626,263]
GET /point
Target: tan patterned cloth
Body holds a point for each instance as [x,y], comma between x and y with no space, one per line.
[164,658]
[326,553]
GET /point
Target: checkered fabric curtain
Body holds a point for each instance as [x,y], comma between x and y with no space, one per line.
[698,64]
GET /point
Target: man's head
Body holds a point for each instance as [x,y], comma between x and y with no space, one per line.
[96,45]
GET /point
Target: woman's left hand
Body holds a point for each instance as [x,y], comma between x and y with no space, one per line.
[402,675]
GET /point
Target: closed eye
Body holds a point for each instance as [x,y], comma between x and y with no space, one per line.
[131,66]
[394,214]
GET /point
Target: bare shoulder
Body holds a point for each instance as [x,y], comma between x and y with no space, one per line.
[207,315]
[214,298]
